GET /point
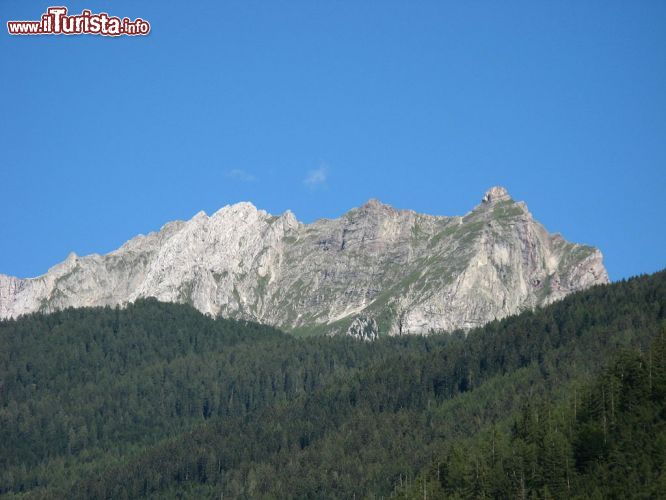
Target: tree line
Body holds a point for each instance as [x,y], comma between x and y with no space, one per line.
[158,400]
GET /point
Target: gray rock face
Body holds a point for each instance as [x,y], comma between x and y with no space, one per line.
[363,328]
[375,268]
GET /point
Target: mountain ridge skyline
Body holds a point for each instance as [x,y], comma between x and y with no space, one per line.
[396,270]
[368,201]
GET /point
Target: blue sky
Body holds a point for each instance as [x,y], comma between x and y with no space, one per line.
[319,106]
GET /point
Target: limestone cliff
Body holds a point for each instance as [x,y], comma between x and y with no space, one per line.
[375,270]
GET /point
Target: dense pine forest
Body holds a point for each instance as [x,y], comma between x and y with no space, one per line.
[157,400]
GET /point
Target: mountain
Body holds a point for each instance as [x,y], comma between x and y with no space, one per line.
[375,270]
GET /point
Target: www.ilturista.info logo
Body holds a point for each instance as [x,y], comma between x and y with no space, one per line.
[55,21]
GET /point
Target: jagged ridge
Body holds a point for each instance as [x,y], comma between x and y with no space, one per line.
[397,270]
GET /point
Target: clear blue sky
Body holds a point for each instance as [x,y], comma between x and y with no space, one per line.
[317,106]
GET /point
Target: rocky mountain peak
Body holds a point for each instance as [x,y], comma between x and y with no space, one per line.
[375,207]
[496,193]
[241,209]
[200,215]
[374,203]
[289,219]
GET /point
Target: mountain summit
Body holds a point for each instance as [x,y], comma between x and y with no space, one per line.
[497,193]
[375,270]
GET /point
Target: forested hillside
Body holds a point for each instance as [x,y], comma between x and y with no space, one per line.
[606,439]
[158,400]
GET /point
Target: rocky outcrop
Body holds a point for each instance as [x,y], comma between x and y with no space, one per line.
[363,328]
[396,270]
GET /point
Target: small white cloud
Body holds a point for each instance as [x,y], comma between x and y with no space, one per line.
[316,178]
[240,175]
